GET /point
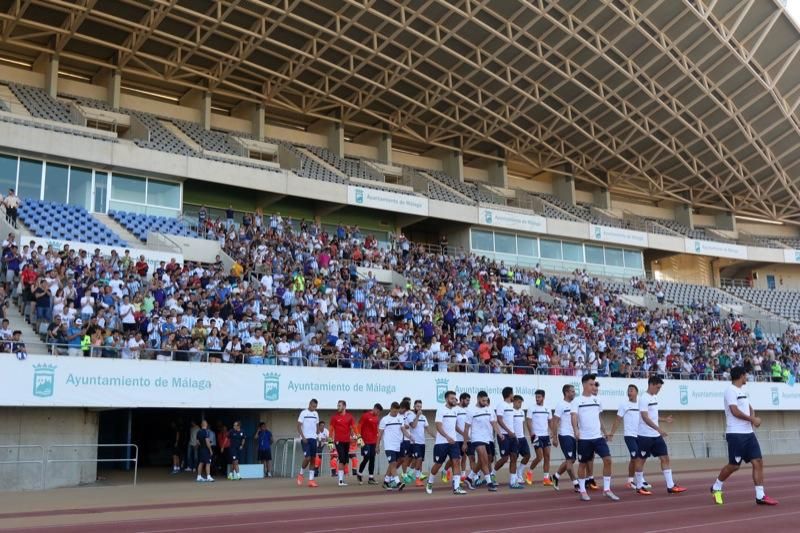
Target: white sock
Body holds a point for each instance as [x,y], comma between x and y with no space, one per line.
[417,474]
[341,475]
[639,479]
[396,479]
[717,484]
[547,475]
[493,472]
[310,474]
[456,481]
[582,484]
[387,478]
[630,480]
[556,476]
[606,483]
[668,478]
[430,478]
[759,492]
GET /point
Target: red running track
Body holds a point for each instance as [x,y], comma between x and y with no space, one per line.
[481,511]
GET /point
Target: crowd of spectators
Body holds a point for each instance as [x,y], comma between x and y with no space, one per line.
[295,296]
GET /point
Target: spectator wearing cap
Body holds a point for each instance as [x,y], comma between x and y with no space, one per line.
[74,338]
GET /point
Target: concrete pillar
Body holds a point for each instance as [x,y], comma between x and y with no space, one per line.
[684,215]
[564,186]
[336,138]
[48,65]
[498,172]
[255,114]
[114,89]
[112,81]
[725,221]
[200,100]
[602,198]
[453,164]
[385,148]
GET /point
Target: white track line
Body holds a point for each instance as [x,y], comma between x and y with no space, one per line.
[736,521]
[500,516]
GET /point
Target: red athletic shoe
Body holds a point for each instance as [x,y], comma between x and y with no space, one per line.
[643,492]
[299,480]
[677,489]
[312,484]
[766,500]
[419,483]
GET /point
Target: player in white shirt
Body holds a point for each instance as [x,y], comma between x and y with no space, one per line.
[481,427]
[523,450]
[588,428]
[506,439]
[740,419]
[628,416]
[307,424]
[323,436]
[391,433]
[416,429]
[404,460]
[461,420]
[445,446]
[565,437]
[538,422]
[651,438]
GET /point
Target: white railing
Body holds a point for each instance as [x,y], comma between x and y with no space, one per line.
[76,447]
[18,447]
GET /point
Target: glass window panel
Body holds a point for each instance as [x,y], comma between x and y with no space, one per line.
[100,191]
[30,179]
[594,254]
[116,205]
[550,249]
[482,240]
[164,193]
[633,259]
[573,252]
[614,257]
[8,173]
[55,183]
[128,188]
[80,187]
[527,246]
[505,243]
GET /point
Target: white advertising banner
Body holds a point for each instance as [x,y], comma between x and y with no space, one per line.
[387,200]
[499,218]
[152,257]
[81,382]
[791,256]
[618,235]
[716,249]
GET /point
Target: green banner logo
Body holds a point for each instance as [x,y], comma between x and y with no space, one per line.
[441,388]
[684,392]
[272,386]
[44,380]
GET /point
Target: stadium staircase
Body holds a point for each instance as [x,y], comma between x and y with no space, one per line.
[119,229]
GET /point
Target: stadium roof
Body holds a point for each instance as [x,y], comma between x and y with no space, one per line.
[692,101]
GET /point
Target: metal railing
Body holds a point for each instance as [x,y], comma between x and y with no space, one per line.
[682,445]
[76,447]
[40,461]
[492,366]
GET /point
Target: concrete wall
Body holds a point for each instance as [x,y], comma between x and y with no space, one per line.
[682,267]
[787,277]
[202,250]
[47,427]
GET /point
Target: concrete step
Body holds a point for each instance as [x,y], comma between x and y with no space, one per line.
[120,230]
[29,336]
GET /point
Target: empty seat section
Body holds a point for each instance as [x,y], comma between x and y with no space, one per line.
[140,225]
[65,222]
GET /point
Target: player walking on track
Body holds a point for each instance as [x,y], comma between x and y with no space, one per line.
[343,426]
[368,426]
